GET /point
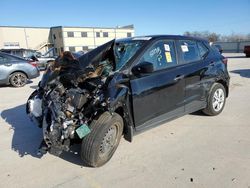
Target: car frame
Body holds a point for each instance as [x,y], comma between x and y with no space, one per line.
[137,96]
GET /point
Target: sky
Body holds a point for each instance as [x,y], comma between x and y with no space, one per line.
[149,16]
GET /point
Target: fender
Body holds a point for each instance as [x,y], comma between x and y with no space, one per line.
[120,102]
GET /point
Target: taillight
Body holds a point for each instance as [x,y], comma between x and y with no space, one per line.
[224,60]
[33,63]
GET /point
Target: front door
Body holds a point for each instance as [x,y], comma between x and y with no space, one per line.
[161,92]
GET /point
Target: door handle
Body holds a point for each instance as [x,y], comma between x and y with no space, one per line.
[7,64]
[179,77]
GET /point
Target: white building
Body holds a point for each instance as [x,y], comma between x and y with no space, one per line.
[61,37]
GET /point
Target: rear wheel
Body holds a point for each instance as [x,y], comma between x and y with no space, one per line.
[216,100]
[100,144]
[18,79]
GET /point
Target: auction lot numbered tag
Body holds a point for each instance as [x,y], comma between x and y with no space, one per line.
[168,57]
[184,48]
[83,130]
[166,47]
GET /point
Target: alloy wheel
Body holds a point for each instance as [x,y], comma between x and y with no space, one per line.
[19,80]
[218,99]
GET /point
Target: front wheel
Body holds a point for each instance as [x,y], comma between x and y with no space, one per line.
[216,100]
[100,144]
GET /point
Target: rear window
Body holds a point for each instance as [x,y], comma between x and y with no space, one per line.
[190,51]
[3,59]
[203,50]
[215,50]
[14,58]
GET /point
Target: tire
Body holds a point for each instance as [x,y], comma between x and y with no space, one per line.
[18,79]
[216,100]
[100,144]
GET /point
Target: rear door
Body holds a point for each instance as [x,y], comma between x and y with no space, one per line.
[5,67]
[193,56]
[160,93]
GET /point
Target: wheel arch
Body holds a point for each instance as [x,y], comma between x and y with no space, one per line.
[224,83]
[127,128]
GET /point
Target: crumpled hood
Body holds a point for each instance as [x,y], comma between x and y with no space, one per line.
[91,59]
[97,55]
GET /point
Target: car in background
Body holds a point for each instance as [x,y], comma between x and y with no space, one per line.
[16,71]
[218,47]
[20,52]
[247,51]
[43,59]
[78,54]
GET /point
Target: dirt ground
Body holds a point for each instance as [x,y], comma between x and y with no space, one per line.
[192,151]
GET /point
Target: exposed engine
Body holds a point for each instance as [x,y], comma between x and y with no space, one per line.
[67,106]
[69,111]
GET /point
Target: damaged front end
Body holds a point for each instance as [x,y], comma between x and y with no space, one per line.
[69,100]
[70,110]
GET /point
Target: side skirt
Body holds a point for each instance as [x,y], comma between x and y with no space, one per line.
[165,118]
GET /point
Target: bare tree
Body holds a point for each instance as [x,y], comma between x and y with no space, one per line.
[213,37]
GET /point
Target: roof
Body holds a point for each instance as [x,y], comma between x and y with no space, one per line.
[177,37]
[24,27]
[123,27]
[153,37]
[82,27]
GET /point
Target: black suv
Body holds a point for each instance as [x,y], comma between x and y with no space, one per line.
[124,87]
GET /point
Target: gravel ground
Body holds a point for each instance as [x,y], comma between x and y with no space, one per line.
[192,151]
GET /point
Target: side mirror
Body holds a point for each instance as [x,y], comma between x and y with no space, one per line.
[143,68]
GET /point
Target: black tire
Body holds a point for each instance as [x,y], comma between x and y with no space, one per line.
[18,79]
[107,127]
[213,110]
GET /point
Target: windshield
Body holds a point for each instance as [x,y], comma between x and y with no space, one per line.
[124,51]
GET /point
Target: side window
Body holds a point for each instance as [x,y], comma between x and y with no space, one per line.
[161,55]
[190,51]
[3,59]
[202,49]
